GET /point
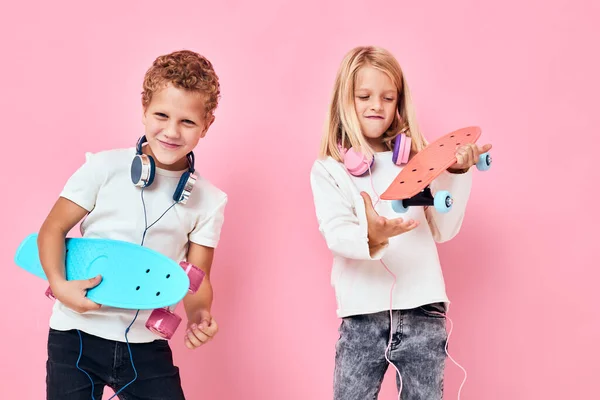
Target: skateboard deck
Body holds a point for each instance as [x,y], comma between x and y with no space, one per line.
[429,163]
[133,276]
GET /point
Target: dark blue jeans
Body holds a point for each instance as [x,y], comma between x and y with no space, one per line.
[108,364]
[418,351]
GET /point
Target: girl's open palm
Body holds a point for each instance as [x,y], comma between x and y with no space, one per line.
[380,229]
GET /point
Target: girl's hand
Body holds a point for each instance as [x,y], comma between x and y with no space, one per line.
[380,229]
[467,155]
[73,293]
[200,330]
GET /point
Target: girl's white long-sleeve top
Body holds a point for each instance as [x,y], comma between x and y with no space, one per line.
[361,282]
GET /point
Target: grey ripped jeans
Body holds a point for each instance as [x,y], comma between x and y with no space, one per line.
[418,351]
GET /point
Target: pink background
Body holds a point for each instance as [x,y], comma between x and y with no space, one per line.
[525,316]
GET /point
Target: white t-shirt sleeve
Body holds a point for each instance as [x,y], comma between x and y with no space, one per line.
[445,226]
[207,230]
[83,186]
[341,224]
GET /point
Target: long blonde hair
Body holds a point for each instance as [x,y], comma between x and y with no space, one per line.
[342,124]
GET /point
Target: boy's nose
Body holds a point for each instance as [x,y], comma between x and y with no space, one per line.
[171,131]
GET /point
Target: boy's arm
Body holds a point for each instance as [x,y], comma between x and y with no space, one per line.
[203,239]
[51,244]
[201,327]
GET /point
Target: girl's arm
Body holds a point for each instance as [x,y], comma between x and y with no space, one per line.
[445,226]
[352,229]
[457,180]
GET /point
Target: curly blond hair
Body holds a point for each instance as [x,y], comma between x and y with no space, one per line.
[183,69]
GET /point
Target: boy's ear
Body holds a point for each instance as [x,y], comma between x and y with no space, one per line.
[209,122]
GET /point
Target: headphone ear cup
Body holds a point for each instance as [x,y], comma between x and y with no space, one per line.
[184,187]
[406,149]
[396,153]
[401,152]
[356,163]
[152,170]
[399,142]
[142,170]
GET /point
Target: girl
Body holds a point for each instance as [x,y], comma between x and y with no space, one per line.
[371,109]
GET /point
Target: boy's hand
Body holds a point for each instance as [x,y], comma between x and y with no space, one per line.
[73,293]
[201,328]
[467,155]
[380,229]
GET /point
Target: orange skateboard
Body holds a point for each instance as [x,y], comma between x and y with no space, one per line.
[411,186]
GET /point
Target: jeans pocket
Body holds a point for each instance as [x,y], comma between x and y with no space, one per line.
[433,310]
[62,338]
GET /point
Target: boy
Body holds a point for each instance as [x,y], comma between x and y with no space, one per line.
[147,195]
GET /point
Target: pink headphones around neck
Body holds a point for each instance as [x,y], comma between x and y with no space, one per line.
[357,164]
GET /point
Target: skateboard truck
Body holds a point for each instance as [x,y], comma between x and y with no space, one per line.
[442,201]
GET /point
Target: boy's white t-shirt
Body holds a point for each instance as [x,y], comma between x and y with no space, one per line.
[103,186]
[361,282]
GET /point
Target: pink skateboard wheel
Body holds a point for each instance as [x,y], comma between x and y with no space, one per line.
[49,294]
[163,322]
[195,274]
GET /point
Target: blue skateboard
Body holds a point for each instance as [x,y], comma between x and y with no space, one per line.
[133,276]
